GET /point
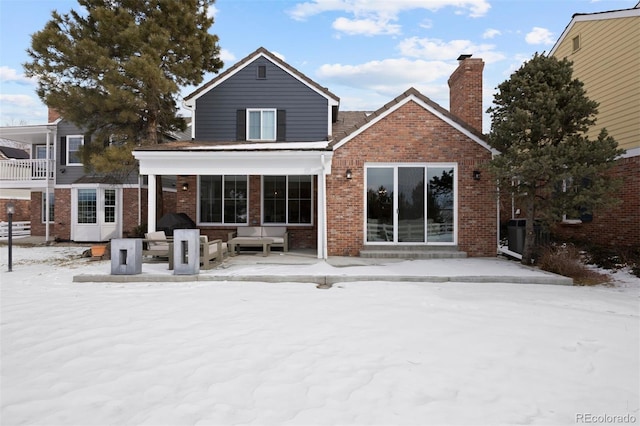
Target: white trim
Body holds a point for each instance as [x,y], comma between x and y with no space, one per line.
[633,152]
[427,107]
[233,163]
[68,163]
[598,16]
[261,111]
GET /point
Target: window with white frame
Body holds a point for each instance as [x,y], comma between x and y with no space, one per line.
[287,199]
[261,124]
[110,205]
[87,206]
[44,207]
[73,149]
[223,199]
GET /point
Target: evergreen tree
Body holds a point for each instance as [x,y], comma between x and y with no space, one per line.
[115,70]
[547,163]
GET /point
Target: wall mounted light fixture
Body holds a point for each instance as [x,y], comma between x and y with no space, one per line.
[185,186]
[349,174]
[476,175]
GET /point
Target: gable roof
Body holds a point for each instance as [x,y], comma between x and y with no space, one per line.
[596,16]
[363,121]
[260,52]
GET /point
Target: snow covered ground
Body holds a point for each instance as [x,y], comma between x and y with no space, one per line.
[221,353]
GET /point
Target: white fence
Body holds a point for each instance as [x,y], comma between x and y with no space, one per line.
[25,169]
[20,229]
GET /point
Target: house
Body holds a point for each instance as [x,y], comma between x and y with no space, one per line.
[21,199]
[269,146]
[604,50]
[66,203]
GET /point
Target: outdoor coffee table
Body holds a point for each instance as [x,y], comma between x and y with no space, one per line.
[250,242]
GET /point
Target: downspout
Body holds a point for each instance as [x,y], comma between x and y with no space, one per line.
[191,108]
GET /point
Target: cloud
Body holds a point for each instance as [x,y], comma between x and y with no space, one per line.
[18,100]
[539,35]
[491,33]
[227,56]
[375,17]
[368,27]
[388,78]
[436,49]
[10,75]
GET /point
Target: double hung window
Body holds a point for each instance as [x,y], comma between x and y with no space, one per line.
[73,149]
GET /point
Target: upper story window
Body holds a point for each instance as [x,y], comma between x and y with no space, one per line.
[261,124]
[74,142]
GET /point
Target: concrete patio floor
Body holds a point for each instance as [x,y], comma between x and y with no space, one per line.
[304,266]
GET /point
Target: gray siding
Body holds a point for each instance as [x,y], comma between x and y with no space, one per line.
[306,110]
[71,173]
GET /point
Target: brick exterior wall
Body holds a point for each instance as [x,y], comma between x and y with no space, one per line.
[410,135]
[619,225]
[465,92]
[22,210]
[62,215]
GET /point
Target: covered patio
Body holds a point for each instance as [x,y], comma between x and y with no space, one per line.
[223,159]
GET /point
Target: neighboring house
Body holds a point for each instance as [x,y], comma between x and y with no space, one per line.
[269,146]
[605,53]
[20,198]
[79,207]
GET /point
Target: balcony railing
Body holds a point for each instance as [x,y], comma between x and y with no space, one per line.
[26,170]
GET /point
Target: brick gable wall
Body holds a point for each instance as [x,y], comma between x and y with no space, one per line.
[410,135]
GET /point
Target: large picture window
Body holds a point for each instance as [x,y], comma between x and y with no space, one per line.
[223,199]
[261,124]
[287,199]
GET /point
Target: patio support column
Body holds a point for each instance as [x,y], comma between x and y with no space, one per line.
[151,203]
[47,170]
[322,212]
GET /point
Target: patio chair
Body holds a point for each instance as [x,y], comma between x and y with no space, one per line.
[156,244]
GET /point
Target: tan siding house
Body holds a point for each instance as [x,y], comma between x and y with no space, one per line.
[605,50]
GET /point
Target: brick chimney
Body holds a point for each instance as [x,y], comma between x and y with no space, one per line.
[53,115]
[465,91]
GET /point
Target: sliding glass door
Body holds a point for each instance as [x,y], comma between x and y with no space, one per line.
[413,204]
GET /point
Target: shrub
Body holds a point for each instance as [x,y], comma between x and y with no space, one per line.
[567,260]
